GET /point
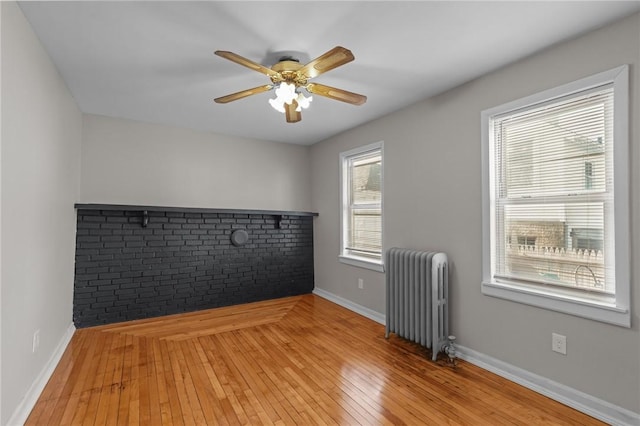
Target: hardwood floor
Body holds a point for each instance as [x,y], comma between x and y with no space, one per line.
[299,360]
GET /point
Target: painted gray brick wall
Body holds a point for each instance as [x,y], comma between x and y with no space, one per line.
[184,262]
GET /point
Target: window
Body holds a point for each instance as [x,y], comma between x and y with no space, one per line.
[527,240]
[361,180]
[555,199]
[588,175]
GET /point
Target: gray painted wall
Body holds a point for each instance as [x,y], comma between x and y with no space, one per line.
[432,200]
[41,130]
[129,162]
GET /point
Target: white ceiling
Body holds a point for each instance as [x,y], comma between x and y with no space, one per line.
[153,61]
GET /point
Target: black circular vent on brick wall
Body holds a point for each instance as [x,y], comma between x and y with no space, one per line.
[239,237]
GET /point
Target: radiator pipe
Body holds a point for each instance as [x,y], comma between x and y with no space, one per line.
[450,349]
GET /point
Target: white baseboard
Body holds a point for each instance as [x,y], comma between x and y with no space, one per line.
[595,407]
[23,410]
[359,309]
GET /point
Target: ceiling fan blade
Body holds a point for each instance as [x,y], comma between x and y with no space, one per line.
[332,59]
[293,116]
[243,94]
[337,94]
[247,63]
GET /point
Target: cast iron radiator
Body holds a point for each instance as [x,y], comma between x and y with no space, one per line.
[417,294]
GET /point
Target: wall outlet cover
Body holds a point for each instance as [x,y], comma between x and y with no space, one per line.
[559,343]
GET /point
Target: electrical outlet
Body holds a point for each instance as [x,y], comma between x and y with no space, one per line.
[559,343]
[360,283]
[36,341]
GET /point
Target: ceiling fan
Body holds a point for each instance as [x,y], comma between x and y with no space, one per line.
[289,77]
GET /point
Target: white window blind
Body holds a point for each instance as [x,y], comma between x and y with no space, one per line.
[554,193]
[365,197]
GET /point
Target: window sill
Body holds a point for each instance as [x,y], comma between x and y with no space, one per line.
[362,263]
[591,309]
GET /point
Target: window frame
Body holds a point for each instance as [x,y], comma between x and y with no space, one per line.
[617,312]
[345,255]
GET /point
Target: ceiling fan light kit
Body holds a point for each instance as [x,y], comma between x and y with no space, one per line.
[289,78]
[287,93]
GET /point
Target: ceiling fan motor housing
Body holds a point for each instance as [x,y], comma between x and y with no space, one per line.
[287,72]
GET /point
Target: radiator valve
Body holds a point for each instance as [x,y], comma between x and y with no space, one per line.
[450,349]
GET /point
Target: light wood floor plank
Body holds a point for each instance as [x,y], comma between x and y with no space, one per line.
[293,361]
[223,409]
[144,407]
[252,358]
[99,368]
[216,357]
[133,410]
[165,380]
[201,391]
[125,394]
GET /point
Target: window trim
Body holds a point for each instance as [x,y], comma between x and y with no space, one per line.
[617,312]
[344,256]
